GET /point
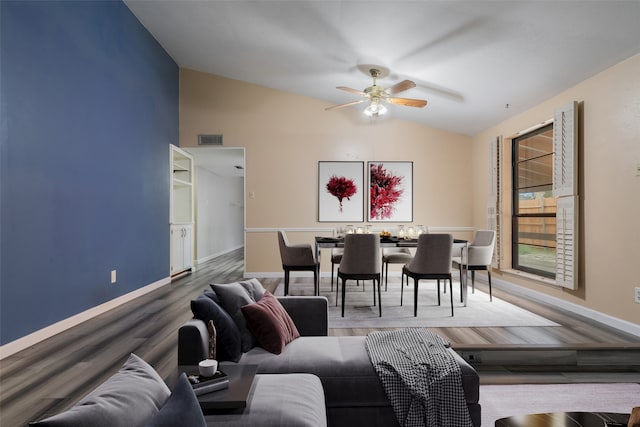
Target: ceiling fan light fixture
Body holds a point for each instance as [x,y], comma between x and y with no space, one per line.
[376,95]
[375,108]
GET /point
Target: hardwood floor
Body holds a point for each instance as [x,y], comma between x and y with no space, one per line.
[54,374]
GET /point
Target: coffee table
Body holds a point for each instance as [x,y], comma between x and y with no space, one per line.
[565,419]
[232,399]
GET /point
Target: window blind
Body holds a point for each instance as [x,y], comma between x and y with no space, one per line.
[565,151]
[566,242]
[495,200]
[565,188]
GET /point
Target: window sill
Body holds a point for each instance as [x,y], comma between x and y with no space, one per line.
[530,276]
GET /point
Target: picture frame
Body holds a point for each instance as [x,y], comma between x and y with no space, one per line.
[390,195]
[341,191]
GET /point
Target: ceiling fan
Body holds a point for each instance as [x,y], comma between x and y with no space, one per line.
[378,95]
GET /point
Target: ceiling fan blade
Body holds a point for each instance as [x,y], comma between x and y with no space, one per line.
[348,104]
[400,87]
[408,102]
[354,91]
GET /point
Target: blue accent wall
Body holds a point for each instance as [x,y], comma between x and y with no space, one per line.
[89,106]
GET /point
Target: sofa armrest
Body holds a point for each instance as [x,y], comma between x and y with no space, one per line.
[310,314]
[470,379]
[193,342]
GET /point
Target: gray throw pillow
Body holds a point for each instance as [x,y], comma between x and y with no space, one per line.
[233,296]
[129,398]
[254,288]
[181,409]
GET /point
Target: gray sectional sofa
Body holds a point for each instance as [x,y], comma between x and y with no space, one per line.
[353,392]
[136,396]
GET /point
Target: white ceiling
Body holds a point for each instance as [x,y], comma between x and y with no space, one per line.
[468,58]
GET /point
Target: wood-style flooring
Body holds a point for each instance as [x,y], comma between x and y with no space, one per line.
[54,374]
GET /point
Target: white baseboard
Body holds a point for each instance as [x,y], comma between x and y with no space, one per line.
[210,257]
[27,341]
[614,322]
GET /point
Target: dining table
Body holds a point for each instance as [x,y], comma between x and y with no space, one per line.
[399,242]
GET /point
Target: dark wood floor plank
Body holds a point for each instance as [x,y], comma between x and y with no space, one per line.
[53,375]
[458,336]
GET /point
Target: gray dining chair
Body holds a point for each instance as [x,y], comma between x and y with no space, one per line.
[432,261]
[298,257]
[336,257]
[478,256]
[394,256]
[361,260]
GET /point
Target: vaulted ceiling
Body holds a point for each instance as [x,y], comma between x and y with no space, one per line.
[469,59]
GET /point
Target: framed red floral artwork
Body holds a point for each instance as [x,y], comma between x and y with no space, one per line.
[341,191]
[390,191]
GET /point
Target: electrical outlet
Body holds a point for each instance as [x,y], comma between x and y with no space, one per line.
[113,276]
[637,294]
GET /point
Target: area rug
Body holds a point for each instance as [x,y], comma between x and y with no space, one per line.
[499,401]
[361,313]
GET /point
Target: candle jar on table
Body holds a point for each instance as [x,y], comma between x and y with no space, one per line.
[411,233]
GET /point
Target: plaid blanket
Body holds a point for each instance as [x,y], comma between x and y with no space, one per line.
[420,376]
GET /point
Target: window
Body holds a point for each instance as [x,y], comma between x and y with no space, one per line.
[534,206]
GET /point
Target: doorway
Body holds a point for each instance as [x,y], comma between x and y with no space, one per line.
[219,221]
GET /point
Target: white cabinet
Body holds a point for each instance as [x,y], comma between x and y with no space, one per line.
[181,213]
[182,172]
[181,248]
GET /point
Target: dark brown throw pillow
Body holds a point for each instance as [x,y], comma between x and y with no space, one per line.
[270,323]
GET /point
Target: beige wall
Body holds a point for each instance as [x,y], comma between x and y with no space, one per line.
[286,135]
[609,188]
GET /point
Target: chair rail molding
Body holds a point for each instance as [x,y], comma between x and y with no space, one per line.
[291,229]
[448,229]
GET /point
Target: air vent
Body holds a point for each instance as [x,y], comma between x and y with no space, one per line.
[209,139]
